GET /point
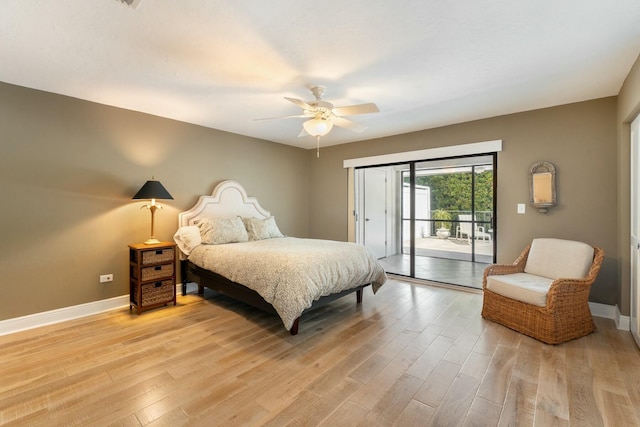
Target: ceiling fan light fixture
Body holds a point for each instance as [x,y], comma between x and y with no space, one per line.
[318,127]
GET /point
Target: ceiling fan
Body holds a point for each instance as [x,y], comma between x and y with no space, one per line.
[323,115]
[132,3]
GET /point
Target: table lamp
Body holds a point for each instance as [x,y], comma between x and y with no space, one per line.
[152,190]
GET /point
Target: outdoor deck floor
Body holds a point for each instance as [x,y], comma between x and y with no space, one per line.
[444,260]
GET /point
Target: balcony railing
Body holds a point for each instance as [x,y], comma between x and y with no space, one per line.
[428,226]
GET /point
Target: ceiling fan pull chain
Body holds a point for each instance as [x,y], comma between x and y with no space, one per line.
[318,146]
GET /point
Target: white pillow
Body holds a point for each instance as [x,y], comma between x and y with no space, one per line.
[260,229]
[272,227]
[254,231]
[216,231]
[559,259]
[187,238]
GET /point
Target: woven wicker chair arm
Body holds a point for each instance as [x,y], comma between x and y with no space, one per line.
[576,289]
[521,261]
[569,291]
[499,269]
[598,258]
[557,284]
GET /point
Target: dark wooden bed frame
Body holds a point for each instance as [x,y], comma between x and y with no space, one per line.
[229,199]
[205,278]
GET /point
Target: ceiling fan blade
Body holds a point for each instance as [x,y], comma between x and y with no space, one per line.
[300,103]
[282,117]
[348,124]
[351,110]
[303,133]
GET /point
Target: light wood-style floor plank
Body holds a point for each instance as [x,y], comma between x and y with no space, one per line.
[519,406]
[411,355]
[415,414]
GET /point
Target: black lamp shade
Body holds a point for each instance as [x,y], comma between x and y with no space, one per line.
[152,190]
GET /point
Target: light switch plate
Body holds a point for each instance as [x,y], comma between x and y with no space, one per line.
[521,208]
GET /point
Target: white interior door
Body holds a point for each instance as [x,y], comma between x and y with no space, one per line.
[635,229]
[375,212]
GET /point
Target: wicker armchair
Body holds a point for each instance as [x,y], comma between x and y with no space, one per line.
[564,316]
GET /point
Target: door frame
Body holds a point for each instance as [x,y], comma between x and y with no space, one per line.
[634,228]
[398,173]
[404,157]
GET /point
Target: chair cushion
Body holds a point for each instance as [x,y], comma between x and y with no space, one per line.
[528,288]
[559,259]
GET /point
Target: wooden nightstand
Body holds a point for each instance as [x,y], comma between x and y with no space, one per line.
[152,275]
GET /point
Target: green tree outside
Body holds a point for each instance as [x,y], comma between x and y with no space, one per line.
[452,191]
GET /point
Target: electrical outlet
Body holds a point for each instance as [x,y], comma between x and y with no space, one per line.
[104,278]
[521,208]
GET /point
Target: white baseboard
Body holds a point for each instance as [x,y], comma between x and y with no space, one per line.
[36,320]
[622,322]
[610,312]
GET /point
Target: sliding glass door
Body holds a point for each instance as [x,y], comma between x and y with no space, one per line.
[438,220]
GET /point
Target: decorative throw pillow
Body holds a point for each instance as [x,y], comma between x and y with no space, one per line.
[253,230]
[217,231]
[272,227]
[187,238]
[260,229]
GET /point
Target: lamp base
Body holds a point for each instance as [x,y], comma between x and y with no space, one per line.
[152,241]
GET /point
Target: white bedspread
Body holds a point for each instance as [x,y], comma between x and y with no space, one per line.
[290,273]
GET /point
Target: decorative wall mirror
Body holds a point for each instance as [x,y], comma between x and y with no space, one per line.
[542,186]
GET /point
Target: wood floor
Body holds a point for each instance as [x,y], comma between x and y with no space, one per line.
[411,355]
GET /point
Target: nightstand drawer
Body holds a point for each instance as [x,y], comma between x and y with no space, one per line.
[153,273]
[154,256]
[154,292]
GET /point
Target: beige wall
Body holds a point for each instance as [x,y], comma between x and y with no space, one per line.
[580,139]
[68,170]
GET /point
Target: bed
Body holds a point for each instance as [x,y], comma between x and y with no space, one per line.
[229,243]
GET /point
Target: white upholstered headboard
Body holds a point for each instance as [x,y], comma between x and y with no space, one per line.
[228,200]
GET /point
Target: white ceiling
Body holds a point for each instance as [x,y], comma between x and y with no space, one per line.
[224,63]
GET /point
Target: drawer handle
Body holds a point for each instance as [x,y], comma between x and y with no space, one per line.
[157,284]
[158,268]
[159,252]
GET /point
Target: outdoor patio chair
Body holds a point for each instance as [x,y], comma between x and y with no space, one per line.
[545,292]
[464,229]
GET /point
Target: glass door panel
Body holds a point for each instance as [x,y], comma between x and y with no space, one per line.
[483,210]
[379,225]
[439,218]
